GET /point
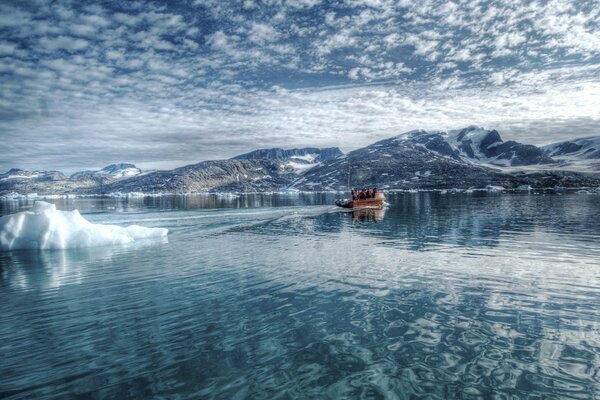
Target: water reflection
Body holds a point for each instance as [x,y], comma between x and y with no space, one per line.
[174,202]
[368,215]
[51,269]
[445,296]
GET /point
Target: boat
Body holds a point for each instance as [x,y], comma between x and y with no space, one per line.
[360,199]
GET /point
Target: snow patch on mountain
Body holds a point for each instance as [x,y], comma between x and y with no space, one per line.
[587,148]
[112,172]
[120,171]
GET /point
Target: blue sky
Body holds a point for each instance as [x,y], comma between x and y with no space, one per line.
[163,84]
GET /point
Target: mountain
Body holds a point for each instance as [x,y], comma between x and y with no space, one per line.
[254,175]
[432,160]
[16,174]
[580,149]
[475,145]
[487,147]
[109,173]
[54,182]
[415,159]
[306,154]
[467,158]
[24,182]
[298,160]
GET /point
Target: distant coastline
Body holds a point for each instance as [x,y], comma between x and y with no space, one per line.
[472,158]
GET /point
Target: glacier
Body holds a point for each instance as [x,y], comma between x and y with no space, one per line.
[44,227]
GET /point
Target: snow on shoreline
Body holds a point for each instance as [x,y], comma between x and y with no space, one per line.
[44,227]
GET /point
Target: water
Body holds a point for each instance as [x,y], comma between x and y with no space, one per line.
[278,297]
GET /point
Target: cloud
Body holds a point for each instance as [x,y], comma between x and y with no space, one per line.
[63,43]
[221,41]
[212,79]
[260,33]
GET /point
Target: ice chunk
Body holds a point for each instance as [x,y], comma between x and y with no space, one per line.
[45,227]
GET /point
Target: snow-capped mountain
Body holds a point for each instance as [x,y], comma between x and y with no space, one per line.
[255,175]
[487,147]
[579,149]
[296,160]
[120,171]
[470,157]
[16,174]
[413,159]
[50,182]
[110,172]
[476,145]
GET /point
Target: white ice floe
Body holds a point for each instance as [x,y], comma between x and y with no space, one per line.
[17,196]
[45,227]
[129,195]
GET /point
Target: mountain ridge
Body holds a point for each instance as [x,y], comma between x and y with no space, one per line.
[464,158]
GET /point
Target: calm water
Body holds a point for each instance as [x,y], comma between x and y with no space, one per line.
[275,297]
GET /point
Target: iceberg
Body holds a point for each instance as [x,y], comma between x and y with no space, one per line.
[524,188]
[45,227]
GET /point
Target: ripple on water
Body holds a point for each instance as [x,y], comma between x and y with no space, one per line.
[444,297]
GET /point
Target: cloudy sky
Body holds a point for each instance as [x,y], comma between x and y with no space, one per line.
[162,84]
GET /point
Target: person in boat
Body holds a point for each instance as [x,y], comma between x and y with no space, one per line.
[362,195]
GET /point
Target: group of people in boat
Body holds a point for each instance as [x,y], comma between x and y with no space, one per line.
[364,194]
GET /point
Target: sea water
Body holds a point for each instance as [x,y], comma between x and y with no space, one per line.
[441,295]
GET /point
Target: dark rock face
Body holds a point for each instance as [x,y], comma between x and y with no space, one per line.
[489,139]
[315,154]
[487,147]
[434,141]
[398,163]
[518,154]
[582,149]
[415,160]
[423,160]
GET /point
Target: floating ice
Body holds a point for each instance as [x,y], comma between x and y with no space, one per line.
[45,227]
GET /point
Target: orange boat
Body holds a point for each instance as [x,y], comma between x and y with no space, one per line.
[360,199]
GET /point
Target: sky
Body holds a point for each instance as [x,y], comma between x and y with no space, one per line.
[162,84]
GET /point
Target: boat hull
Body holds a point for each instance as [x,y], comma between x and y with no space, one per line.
[366,203]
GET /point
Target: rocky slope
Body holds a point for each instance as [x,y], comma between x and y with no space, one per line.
[299,160]
[434,160]
[309,154]
[260,171]
[487,147]
[581,149]
[54,182]
[109,173]
[466,158]
[211,176]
